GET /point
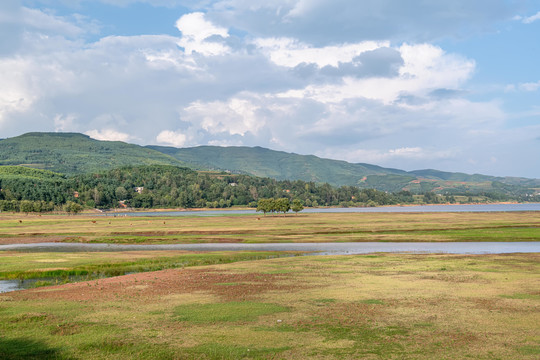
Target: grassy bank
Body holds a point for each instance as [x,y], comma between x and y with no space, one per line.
[379,306]
[92,265]
[499,226]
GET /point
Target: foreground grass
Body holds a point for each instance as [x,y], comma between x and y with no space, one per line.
[500,226]
[378,306]
[91,265]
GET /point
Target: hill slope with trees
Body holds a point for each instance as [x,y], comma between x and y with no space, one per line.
[72,153]
[161,186]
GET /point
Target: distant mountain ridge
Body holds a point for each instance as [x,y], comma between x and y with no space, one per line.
[73,153]
[279,165]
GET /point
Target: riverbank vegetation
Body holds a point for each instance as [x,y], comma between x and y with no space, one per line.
[366,306]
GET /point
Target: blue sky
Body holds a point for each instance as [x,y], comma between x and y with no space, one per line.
[453,86]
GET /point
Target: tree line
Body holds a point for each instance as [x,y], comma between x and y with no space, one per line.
[161,186]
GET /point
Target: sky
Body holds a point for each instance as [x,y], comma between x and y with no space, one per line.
[448,85]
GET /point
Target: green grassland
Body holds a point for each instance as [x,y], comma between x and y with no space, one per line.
[377,306]
[330,227]
[91,265]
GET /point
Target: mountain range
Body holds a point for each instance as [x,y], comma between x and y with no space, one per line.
[74,153]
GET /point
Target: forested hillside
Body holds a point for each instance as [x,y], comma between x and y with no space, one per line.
[172,187]
[72,153]
[278,165]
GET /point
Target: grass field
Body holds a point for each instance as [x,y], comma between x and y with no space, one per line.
[378,306]
[62,266]
[252,305]
[500,226]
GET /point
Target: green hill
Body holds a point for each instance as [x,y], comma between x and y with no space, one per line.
[278,165]
[72,153]
[451,176]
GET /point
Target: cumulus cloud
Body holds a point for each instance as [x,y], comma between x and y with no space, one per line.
[425,68]
[333,21]
[323,77]
[168,137]
[201,36]
[108,135]
[290,52]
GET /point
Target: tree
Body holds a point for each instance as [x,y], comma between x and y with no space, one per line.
[26,206]
[72,207]
[282,205]
[297,206]
[266,205]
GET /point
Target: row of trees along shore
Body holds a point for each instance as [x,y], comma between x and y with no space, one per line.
[279,205]
[157,186]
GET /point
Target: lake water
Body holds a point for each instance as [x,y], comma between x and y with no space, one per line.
[382,209]
[317,248]
[307,248]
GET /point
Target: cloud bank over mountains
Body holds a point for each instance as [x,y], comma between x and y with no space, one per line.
[363,81]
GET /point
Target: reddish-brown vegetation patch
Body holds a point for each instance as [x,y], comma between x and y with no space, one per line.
[146,286]
[31,240]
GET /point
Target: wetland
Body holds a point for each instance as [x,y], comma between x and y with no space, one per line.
[202,301]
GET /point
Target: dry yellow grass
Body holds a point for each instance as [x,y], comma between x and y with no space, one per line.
[340,307]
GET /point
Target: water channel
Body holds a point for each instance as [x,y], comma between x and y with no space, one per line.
[307,248]
[381,209]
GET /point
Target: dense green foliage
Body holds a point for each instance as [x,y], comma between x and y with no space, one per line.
[72,153]
[160,186]
[276,205]
[278,165]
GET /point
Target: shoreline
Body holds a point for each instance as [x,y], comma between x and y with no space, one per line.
[90,212]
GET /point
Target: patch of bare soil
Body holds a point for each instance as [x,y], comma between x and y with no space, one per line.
[30,240]
[149,286]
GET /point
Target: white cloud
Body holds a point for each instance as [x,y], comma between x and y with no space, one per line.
[282,74]
[21,85]
[201,36]
[290,52]
[337,21]
[531,19]
[48,23]
[426,68]
[397,155]
[530,86]
[64,123]
[168,137]
[237,116]
[109,135]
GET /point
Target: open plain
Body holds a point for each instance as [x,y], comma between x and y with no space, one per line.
[227,305]
[328,227]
